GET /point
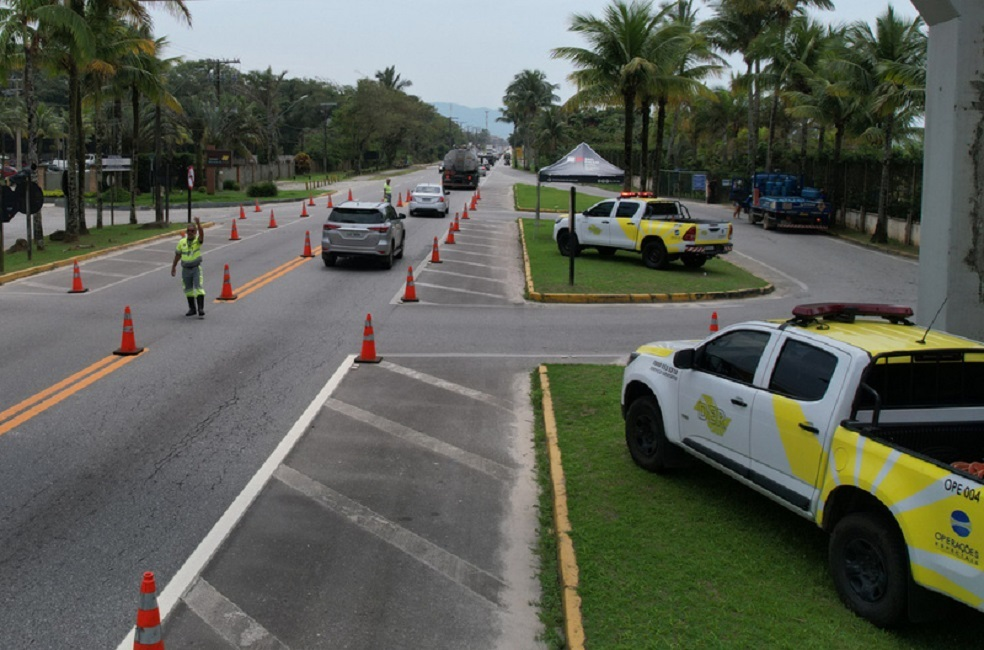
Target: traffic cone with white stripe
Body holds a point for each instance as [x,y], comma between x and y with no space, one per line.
[410,294]
[329,202]
[307,245]
[350,194]
[235,232]
[304,212]
[77,280]
[128,345]
[257,208]
[435,256]
[450,238]
[147,635]
[456,226]
[465,213]
[474,203]
[310,199]
[273,221]
[714,322]
[242,211]
[368,354]
[227,293]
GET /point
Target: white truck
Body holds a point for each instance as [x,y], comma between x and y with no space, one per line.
[848,415]
[661,230]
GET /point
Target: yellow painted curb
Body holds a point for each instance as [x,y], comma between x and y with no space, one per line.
[566,558]
[35,270]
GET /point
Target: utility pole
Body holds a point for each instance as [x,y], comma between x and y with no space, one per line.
[218,63]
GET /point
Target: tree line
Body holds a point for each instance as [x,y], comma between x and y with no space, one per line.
[809,92]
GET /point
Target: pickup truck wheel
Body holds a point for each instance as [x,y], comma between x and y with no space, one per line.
[566,243]
[870,567]
[606,251]
[654,254]
[646,437]
[693,260]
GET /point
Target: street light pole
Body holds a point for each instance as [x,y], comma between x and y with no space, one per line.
[327,109]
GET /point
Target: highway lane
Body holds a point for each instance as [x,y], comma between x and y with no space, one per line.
[131,472]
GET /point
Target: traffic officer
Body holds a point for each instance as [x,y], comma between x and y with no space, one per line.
[189,253]
[387,191]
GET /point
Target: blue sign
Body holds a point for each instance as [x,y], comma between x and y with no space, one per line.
[699,182]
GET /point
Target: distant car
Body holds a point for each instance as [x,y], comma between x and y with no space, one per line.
[429,198]
[483,170]
[363,229]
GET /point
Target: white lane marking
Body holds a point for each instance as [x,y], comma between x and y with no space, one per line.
[196,562]
[466,458]
[460,571]
[802,285]
[464,252]
[478,264]
[468,291]
[228,621]
[465,275]
[470,393]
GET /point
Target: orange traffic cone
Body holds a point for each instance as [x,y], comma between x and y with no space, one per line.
[408,196]
[329,202]
[410,295]
[456,225]
[148,631]
[474,203]
[307,245]
[450,238]
[227,293]
[257,209]
[128,346]
[368,354]
[714,322]
[77,281]
[235,232]
[242,211]
[350,194]
[464,216]
[304,212]
[435,256]
[465,213]
[310,199]
[399,200]
[273,221]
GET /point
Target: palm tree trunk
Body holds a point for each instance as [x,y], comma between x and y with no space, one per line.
[880,236]
[644,145]
[660,126]
[31,104]
[134,148]
[72,200]
[158,161]
[98,169]
[750,159]
[629,99]
[773,113]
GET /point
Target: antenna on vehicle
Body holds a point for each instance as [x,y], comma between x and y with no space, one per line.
[922,341]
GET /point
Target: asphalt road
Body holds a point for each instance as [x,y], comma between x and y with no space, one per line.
[414,538]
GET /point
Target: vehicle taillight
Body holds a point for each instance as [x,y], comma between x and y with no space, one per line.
[383,228]
[440,199]
[691,234]
[331,226]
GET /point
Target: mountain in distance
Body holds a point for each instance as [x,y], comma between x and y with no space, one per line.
[475,118]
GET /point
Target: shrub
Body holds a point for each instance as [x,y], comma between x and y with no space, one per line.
[263,188]
[116,195]
[230,185]
[302,163]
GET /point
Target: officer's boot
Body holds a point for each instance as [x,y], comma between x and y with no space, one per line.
[191,306]
[201,306]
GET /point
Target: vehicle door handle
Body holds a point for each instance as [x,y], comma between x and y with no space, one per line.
[737,401]
[806,426]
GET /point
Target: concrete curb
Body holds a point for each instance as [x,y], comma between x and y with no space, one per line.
[566,558]
[35,270]
[637,298]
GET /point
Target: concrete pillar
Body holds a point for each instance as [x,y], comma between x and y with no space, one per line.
[951,258]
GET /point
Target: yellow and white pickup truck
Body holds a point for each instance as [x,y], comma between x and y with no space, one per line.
[846,414]
[661,229]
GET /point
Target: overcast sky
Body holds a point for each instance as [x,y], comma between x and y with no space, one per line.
[461,52]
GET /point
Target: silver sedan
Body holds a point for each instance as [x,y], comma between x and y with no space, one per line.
[429,198]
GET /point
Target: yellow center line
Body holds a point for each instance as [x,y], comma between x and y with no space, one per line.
[47,398]
[270,276]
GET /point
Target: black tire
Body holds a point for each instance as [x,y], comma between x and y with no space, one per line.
[693,260]
[654,254]
[412,213]
[388,260]
[606,251]
[567,243]
[646,438]
[768,223]
[870,567]
[330,259]
[403,245]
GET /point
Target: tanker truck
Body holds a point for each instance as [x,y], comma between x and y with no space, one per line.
[460,169]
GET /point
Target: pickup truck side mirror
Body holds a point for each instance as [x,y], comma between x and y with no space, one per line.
[684,359]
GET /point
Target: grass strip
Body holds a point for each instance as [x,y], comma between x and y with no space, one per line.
[692,559]
[552,199]
[623,273]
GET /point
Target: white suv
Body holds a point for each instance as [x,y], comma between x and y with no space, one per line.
[363,229]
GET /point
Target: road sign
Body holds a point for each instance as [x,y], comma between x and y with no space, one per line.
[191,177]
[116,164]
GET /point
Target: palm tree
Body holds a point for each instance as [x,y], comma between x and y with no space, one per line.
[389,79]
[550,130]
[528,93]
[888,67]
[616,66]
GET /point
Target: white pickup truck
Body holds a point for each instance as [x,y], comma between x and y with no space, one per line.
[661,229]
[848,415]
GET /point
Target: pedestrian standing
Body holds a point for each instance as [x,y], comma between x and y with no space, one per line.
[189,253]
[387,192]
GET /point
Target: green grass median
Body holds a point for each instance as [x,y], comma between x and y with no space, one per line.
[690,559]
[552,199]
[624,273]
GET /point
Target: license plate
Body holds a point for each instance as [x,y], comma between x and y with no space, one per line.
[354,234]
